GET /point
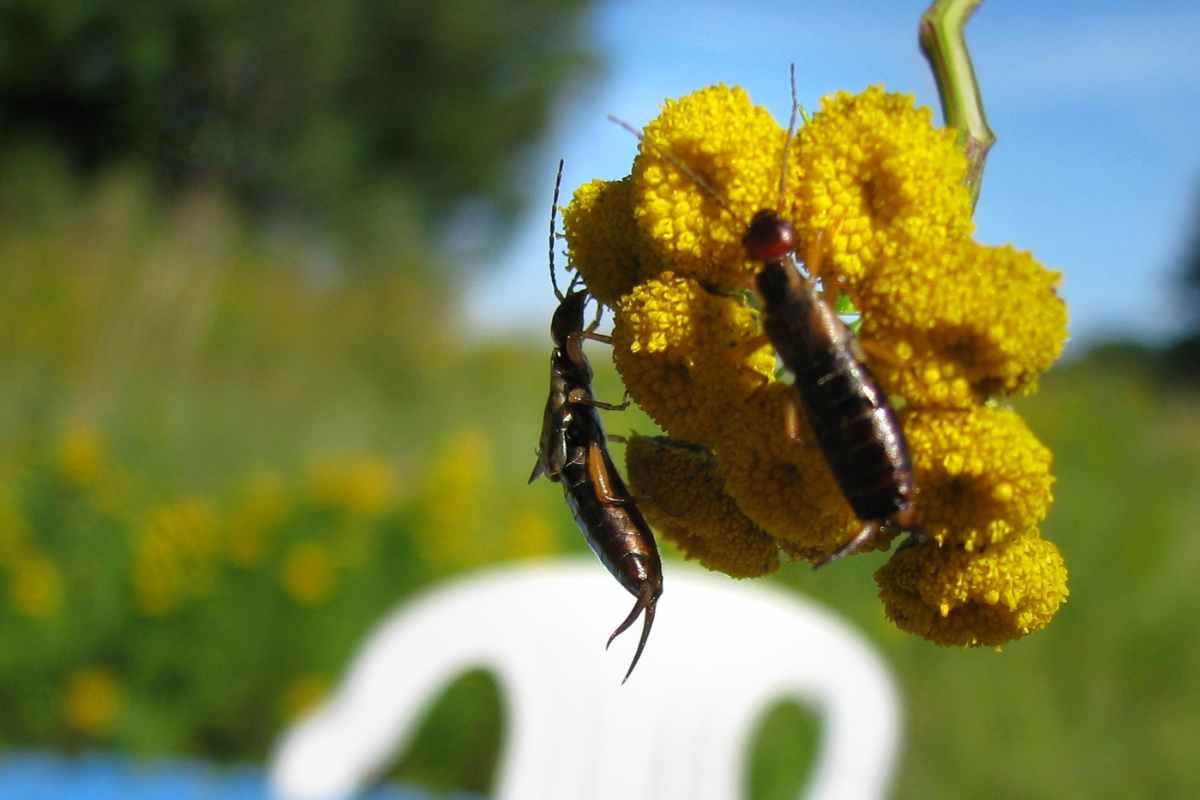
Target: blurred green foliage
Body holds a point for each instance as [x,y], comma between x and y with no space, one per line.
[292,105]
[221,455]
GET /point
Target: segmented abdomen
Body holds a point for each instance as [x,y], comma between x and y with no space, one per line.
[858,433]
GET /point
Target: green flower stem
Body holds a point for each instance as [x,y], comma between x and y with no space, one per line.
[941,38]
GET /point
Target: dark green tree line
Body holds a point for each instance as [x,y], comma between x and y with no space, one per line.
[295,105]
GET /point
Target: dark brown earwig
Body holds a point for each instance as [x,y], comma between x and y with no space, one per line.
[573,450]
[855,424]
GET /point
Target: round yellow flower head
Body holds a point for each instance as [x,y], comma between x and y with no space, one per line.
[359,485]
[307,573]
[782,484]
[956,324]
[685,501]
[876,170]
[35,585]
[983,476]
[681,351]
[736,148]
[987,597]
[604,240]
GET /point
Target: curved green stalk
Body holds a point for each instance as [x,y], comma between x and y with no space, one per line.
[941,38]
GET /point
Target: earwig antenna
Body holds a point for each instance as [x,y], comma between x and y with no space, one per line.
[553,235]
[675,160]
[788,141]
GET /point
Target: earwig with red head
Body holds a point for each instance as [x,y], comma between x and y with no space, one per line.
[850,415]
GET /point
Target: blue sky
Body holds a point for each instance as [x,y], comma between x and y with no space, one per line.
[1096,106]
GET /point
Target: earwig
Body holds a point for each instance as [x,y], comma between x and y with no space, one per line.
[573,450]
[851,416]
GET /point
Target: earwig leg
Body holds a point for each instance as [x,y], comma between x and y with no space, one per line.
[618,438]
[578,456]
[791,421]
[914,538]
[763,380]
[793,427]
[866,535]
[590,331]
[646,601]
[580,398]
[598,337]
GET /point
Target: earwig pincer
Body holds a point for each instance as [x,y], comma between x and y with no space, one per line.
[573,450]
[850,415]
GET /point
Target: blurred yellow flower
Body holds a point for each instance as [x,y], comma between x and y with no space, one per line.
[360,485]
[303,694]
[307,573]
[14,530]
[262,505]
[174,554]
[81,455]
[93,700]
[530,535]
[451,538]
[35,585]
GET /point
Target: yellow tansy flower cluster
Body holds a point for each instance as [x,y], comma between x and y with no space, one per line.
[949,326]
[874,166]
[955,597]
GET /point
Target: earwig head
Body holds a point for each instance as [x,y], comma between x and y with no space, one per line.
[769,236]
[568,317]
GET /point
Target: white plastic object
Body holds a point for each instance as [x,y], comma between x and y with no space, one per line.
[720,653]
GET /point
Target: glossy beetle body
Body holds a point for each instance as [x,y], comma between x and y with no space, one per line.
[573,451]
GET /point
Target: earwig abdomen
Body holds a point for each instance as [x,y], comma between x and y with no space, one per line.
[855,425]
[614,530]
[858,433]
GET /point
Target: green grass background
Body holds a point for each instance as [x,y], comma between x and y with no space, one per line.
[191,364]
